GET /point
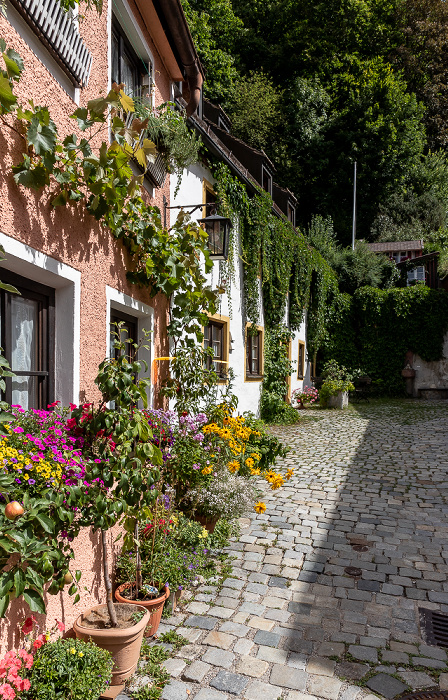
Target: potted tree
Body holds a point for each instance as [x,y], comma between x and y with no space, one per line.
[123,468]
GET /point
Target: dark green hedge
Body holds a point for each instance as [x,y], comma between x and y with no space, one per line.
[375,328]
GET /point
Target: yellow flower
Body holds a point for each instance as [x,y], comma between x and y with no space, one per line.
[207,470]
[80,654]
[204,533]
[260,507]
[233,466]
[277,482]
[72,650]
[289,473]
[256,456]
[249,462]
[269,475]
[255,472]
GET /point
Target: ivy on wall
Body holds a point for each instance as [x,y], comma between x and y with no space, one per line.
[375,328]
[294,278]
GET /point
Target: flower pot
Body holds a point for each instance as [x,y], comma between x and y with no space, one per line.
[123,644]
[408,373]
[207,521]
[154,607]
[339,401]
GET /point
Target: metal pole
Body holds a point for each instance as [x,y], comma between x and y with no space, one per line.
[354,208]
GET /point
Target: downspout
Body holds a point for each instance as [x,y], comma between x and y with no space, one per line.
[176,20]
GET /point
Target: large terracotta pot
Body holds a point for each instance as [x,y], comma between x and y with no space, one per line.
[123,644]
[154,607]
[207,522]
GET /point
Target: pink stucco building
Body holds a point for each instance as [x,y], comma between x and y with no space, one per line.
[70,271]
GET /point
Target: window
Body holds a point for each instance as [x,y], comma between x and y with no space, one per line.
[266,180]
[27,337]
[127,67]
[128,330]
[215,337]
[301,361]
[291,214]
[254,354]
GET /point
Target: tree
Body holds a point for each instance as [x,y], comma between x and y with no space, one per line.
[254,109]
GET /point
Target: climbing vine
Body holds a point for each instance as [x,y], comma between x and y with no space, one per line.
[77,171]
[294,278]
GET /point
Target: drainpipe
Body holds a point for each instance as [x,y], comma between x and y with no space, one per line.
[180,32]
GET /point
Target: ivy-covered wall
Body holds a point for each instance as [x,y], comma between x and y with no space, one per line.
[373,330]
[295,278]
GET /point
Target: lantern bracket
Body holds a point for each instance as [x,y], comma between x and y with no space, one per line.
[192,207]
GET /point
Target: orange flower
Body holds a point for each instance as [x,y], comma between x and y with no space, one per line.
[260,507]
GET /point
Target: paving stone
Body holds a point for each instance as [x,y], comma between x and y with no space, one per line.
[258,690]
[190,633]
[249,666]
[278,581]
[176,690]
[234,628]
[267,639]
[219,657]
[231,683]
[352,670]
[210,694]
[427,663]
[443,681]
[196,672]
[395,657]
[260,623]
[200,622]
[417,679]
[324,687]
[386,685]
[363,653]
[219,639]
[320,666]
[222,613]
[174,666]
[233,583]
[433,652]
[286,677]
[275,656]
[331,649]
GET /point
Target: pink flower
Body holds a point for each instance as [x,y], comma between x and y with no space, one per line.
[18,429]
[61,626]
[7,692]
[73,406]
[71,423]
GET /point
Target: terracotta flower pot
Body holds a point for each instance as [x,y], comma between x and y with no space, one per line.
[154,607]
[123,644]
[208,522]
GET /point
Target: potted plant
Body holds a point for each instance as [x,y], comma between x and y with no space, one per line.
[302,398]
[123,467]
[337,383]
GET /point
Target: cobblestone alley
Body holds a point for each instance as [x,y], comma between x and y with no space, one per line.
[293,621]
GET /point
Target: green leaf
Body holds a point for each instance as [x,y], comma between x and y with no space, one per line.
[61,199]
[46,522]
[34,178]
[34,600]
[19,582]
[4,602]
[9,288]
[13,62]
[7,98]
[41,136]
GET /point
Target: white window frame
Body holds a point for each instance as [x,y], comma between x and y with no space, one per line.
[66,281]
[144,317]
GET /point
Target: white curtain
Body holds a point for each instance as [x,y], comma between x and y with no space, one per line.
[24,325]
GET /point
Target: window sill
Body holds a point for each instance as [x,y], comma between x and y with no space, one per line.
[253,378]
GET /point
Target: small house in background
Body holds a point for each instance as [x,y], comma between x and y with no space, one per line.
[405,254]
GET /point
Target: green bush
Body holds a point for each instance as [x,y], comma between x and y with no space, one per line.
[69,669]
[332,387]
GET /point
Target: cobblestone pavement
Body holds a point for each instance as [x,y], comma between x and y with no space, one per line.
[369,491]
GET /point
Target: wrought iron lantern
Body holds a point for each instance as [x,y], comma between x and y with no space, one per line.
[218,232]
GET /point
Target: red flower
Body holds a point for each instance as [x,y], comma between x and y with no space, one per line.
[28,624]
[71,423]
[52,405]
[184,413]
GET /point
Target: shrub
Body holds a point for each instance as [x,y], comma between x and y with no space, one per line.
[69,669]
